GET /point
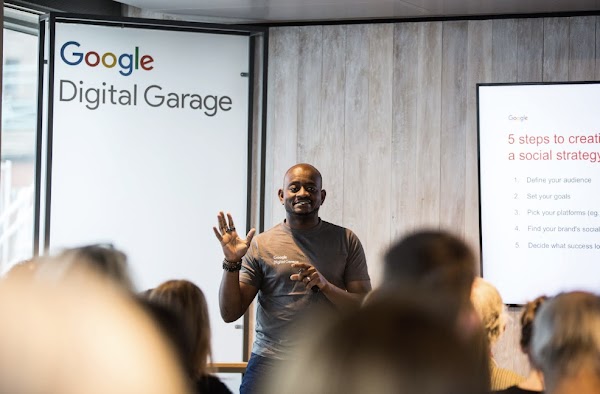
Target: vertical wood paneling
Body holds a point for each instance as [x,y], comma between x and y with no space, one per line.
[479,71]
[453,132]
[504,50]
[597,74]
[404,135]
[582,48]
[356,138]
[310,67]
[556,49]
[329,159]
[530,45]
[428,123]
[282,116]
[381,55]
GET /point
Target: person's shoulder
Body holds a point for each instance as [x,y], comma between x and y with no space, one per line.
[210,384]
[334,227]
[328,226]
[515,390]
[349,235]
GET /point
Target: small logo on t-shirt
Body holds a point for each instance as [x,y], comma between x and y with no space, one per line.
[283,260]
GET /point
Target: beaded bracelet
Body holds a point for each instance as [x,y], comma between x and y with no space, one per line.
[230,266]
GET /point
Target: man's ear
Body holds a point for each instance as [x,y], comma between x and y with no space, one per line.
[323,194]
[280,195]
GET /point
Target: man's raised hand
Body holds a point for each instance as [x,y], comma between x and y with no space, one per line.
[234,248]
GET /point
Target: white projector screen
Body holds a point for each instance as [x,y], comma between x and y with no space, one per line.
[539,177]
[148,139]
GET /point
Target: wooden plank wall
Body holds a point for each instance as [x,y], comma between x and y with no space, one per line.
[387,112]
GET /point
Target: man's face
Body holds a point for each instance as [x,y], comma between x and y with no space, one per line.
[302,193]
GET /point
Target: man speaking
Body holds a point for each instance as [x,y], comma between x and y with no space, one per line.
[298,265]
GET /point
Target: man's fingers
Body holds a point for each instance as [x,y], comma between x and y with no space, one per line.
[218,234]
[222,222]
[250,235]
[304,266]
[230,220]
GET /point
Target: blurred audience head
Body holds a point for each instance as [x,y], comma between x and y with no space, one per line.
[106,260]
[433,260]
[391,345]
[433,263]
[171,324]
[25,268]
[79,333]
[527,316]
[188,300]
[490,308]
[566,343]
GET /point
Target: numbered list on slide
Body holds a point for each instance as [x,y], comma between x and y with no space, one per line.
[540,192]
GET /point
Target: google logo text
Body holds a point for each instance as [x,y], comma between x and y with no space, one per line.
[126,62]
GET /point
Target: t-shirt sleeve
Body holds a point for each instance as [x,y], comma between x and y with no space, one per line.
[356,265]
[251,272]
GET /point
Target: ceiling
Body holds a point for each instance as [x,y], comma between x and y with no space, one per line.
[284,11]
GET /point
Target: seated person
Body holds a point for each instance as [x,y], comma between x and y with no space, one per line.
[391,345]
[534,383]
[438,265]
[490,309]
[189,302]
[78,333]
[566,343]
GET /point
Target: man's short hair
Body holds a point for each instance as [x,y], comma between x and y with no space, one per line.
[431,261]
[566,335]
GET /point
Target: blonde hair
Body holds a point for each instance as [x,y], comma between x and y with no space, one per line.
[489,306]
[188,300]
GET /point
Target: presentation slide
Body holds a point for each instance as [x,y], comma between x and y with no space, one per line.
[539,177]
[149,141]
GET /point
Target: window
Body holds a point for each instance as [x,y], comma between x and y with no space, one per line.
[18,148]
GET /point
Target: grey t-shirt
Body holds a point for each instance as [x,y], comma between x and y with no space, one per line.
[334,251]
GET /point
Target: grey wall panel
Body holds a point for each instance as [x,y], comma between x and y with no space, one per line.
[310,70]
[282,116]
[379,170]
[530,46]
[329,153]
[597,73]
[428,127]
[556,49]
[479,69]
[356,136]
[582,48]
[504,50]
[453,130]
[405,92]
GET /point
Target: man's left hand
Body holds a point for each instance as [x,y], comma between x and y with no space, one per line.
[309,275]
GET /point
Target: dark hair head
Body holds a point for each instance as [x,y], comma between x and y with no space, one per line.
[431,261]
[104,259]
[391,345]
[170,323]
[187,298]
[527,317]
